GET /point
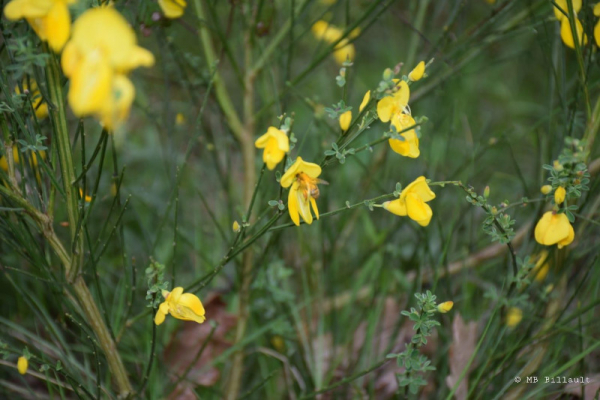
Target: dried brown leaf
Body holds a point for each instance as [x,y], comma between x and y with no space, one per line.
[464,339]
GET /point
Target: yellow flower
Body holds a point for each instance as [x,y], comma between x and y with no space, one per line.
[417,73]
[302,177]
[514,317]
[554,228]
[412,202]
[102,50]
[597,33]
[88,198]
[50,19]
[236,226]
[365,101]
[172,8]
[565,7]
[184,306]
[331,34]
[542,266]
[559,195]
[17,158]
[597,10]
[445,306]
[409,147]
[395,104]
[179,119]
[345,120]
[41,108]
[22,365]
[276,144]
[567,35]
[546,189]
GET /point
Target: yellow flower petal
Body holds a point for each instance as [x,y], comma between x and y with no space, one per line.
[58,26]
[565,7]
[192,302]
[344,51]
[597,33]
[313,203]
[597,10]
[22,365]
[91,85]
[172,8]
[304,207]
[385,108]
[420,187]
[18,9]
[418,72]
[418,210]
[567,35]
[569,239]
[345,120]
[546,189]
[365,101]
[445,306]
[396,207]
[310,169]
[116,108]
[159,318]
[514,317]
[175,295]
[293,204]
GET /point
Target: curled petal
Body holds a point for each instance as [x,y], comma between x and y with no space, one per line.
[420,187]
[396,207]
[293,204]
[365,101]
[418,210]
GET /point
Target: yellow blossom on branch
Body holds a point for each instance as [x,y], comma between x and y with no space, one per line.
[302,177]
[276,144]
[546,189]
[409,147]
[553,229]
[567,35]
[542,266]
[172,8]
[390,106]
[345,120]
[329,33]
[50,19]
[17,158]
[514,317]
[102,50]
[445,306]
[418,72]
[412,202]
[22,365]
[184,306]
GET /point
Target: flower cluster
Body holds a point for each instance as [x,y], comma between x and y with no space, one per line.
[97,53]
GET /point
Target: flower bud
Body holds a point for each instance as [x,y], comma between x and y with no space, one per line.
[345,120]
[559,195]
[445,306]
[546,189]
[388,74]
[486,192]
[417,73]
[557,166]
[236,226]
[22,365]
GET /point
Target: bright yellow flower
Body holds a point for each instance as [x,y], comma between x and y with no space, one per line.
[172,8]
[17,158]
[345,120]
[395,104]
[302,177]
[50,19]
[565,7]
[409,147]
[236,226]
[546,189]
[567,35]
[542,266]
[597,10]
[417,73]
[276,145]
[22,365]
[184,306]
[554,228]
[559,195]
[445,306]
[87,199]
[330,33]
[514,317]
[597,33]
[412,202]
[365,101]
[102,50]
[41,108]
